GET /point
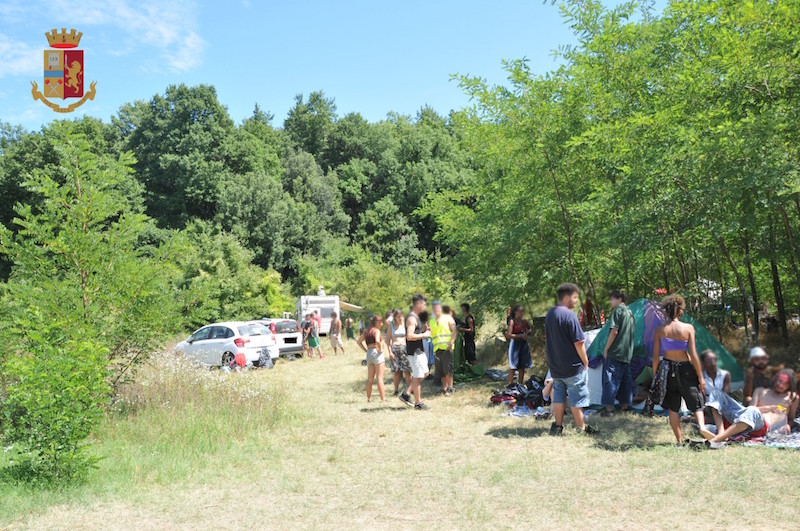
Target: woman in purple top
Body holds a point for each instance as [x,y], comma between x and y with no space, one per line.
[679,375]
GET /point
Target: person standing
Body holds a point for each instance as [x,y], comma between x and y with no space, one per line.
[416,332]
[305,328]
[351,334]
[313,338]
[679,375]
[443,335]
[335,334]
[398,359]
[566,354]
[617,378]
[468,333]
[376,362]
[519,351]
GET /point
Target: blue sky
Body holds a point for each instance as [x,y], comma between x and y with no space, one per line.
[371,56]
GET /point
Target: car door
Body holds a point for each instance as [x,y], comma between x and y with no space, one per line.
[196,343]
[217,344]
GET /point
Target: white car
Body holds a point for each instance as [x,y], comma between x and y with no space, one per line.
[290,340]
[217,344]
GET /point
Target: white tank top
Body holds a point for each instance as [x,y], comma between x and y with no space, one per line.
[718,381]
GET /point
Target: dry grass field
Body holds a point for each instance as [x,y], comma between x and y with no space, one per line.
[300,447]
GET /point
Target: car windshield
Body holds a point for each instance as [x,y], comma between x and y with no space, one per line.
[286,327]
[253,329]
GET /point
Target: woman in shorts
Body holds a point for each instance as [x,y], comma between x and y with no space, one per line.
[376,363]
[679,375]
[398,359]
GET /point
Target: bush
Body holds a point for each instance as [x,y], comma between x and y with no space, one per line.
[53,399]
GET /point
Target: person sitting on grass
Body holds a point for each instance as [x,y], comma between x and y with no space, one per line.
[376,362]
[715,377]
[758,374]
[779,402]
[732,418]
[566,356]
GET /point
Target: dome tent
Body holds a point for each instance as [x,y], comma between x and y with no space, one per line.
[649,315]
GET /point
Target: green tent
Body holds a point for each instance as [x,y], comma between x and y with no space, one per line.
[649,316]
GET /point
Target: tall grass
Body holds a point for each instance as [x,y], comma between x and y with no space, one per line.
[168,426]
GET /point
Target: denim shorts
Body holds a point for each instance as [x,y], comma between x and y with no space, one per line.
[576,387]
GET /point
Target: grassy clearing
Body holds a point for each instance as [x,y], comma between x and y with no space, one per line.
[311,451]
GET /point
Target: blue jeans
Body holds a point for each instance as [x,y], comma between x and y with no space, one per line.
[617,382]
[576,387]
[733,411]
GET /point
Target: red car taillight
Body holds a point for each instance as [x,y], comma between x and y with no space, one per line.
[272,328]
[239,342]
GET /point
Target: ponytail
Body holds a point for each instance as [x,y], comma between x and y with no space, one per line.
[673,306]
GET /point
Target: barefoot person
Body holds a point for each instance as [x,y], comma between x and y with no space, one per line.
[519,352]
[376,363]
[770,411]
[335,334]
[566,355]
[681,373]
[416,332]
[401,368]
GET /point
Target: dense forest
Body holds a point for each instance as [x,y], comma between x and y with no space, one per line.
[662,155]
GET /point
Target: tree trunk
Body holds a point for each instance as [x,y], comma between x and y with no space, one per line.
[787,226]
[754,304]
[776,287]
[742,291]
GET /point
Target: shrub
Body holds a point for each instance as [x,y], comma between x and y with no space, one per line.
[53,399]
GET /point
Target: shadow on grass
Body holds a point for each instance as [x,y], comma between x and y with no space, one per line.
[525,433]
[622,433]
[383,408]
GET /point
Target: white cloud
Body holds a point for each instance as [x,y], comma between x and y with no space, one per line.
[170,26]
[19,58]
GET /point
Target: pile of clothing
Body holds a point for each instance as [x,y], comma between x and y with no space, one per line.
[517,395]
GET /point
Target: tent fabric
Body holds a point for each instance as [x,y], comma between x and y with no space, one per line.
[350,307]
[648,316]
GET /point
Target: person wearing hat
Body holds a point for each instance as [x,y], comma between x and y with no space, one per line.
[758,374]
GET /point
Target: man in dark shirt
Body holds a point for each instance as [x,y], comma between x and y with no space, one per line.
[566,355]
[617,379]
[468,333]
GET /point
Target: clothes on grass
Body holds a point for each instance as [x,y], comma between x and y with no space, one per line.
[562,331]
[622,347]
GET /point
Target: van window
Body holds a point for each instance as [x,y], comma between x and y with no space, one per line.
[327,313]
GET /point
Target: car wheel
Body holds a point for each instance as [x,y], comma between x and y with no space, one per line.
[227,359]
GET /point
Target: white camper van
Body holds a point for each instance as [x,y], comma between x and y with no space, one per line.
[325,306]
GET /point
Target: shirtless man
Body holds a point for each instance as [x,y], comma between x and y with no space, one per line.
[770,410]
[778,403]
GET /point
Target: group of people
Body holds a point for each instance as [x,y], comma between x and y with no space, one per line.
[408,340]
[678,377]
[678,374]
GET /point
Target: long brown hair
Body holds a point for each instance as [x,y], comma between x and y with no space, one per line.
[673,306]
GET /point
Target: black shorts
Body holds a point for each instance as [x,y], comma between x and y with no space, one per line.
[444,363]
[682,383]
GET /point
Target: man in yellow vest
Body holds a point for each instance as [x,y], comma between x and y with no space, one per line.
[443,336]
